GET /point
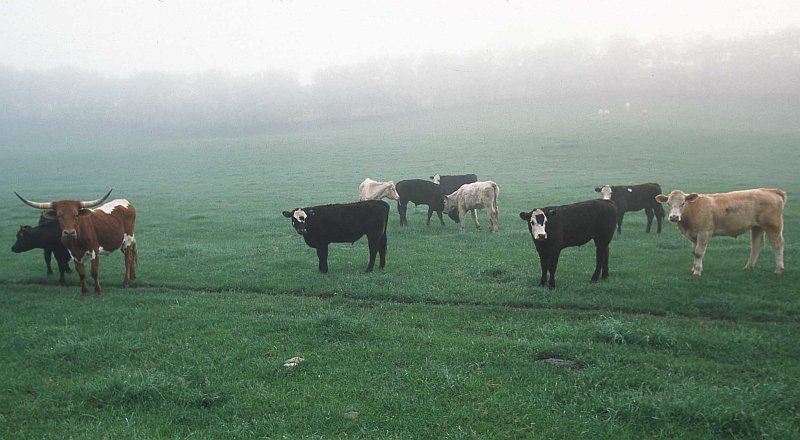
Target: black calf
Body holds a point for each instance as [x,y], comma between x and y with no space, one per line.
[47,236]
[421,192]
[635,198]
[343,223]
[557,227]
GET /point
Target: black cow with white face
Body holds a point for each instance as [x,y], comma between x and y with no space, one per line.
[343,223]
[46,235]
[450,184]
[631,198]
[557,227]
[421,192]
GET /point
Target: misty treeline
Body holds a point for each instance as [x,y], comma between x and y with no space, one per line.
[759,65]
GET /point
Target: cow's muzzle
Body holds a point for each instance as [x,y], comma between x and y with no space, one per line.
[540,237]
[674,218]
[69,233]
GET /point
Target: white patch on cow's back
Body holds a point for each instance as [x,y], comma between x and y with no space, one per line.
[108,207]
[300,215]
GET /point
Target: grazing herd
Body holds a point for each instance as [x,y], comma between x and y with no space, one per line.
[83,230]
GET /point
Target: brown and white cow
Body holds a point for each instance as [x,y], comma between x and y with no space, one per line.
[88,233]
[702,216]
[474,196]
[374,190]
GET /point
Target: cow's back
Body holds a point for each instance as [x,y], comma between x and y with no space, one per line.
[583,221]
[346,223]
[635,197]
[450,184]
[420,191]
[112,223]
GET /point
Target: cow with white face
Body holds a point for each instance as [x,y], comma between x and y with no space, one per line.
[343,223]
[471,197]
[702,216]
[555,228]
[630,198]
[374,190]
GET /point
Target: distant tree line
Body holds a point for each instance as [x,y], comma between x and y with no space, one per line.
[761,65]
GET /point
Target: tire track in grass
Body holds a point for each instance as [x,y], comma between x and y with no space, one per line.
[387,299]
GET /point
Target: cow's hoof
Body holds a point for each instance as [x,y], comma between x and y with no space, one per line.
[779,271]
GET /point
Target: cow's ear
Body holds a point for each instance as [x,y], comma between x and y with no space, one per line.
[84,212]
[692,197]
[525,216]
[50,215]
[551,212]
[661,198]
[287,214]
[597,190]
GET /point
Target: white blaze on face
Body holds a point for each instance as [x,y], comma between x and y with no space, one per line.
[300,216]
[538,222]
[436,178]
[606,192]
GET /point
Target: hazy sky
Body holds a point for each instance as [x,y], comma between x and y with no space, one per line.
[119,37]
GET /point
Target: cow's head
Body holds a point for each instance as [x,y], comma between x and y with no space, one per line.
[391,191]
[25,241]
[300,219]
[67,212]
[605,191]
[436,178]
[537,222]
[676,201]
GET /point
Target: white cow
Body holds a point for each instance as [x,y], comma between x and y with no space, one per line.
[702,216]
[374,190]
[474,196]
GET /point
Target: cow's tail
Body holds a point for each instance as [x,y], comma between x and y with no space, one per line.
[496,195]
[782,194]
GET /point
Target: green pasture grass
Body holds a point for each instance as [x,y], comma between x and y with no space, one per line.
[169,363]
[226,288]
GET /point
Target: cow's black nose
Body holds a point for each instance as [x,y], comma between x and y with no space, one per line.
[541,236]
[68,233]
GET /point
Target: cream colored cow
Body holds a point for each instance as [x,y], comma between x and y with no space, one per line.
[702,216]
[474,196]
[374,190]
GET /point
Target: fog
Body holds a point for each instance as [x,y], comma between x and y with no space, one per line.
[620,68]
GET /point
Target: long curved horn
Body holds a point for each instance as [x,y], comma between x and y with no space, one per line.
[37,205]
[93,203]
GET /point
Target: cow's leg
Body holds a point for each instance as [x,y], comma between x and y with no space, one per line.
[620,216]
[374,245]
[545,263]
[63,267]
[698,252]
[401,209]
[493,220]
[96,274]
[382,249]
[600,261]
[475,218]
[441,219]
[649,213]
[777,243]
[553,265]
[756,244]
[322,255]
[660,214]
[462,216]
[48,255]
[82,275]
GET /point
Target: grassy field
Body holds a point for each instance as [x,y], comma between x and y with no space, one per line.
[449,340]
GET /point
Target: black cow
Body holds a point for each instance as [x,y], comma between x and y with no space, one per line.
[343,223]
[557,227]
[450,184]
[635,198]
[47,236]
[421,192]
